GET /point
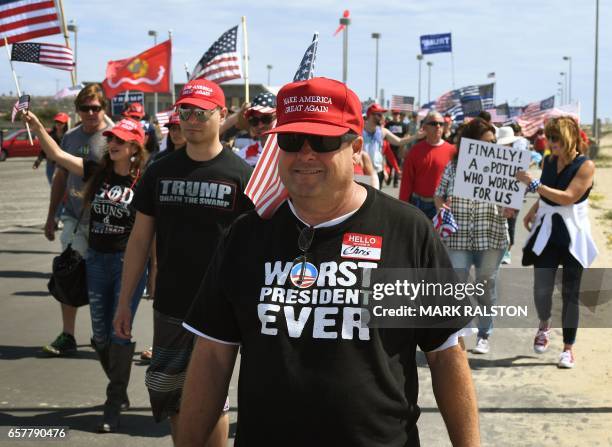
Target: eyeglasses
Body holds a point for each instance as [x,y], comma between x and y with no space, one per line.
[435,123]
[293,142]
[116,139]
[201,115]
[87,109]
[304,242]
[265,120]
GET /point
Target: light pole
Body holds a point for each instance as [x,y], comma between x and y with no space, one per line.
[564,80]
[560,90]
[72,26]
[153,34]
[569,59]
[345,21]
[420,59]
[429,64]
[595,126]
[376,37]
[269,67]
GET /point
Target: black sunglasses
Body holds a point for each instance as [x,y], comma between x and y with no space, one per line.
[435,123]
[553,138]
[304,242]
[265,120]
[293,142]
[87,109]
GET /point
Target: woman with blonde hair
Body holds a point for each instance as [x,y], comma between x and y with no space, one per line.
[108,194]
[560,232]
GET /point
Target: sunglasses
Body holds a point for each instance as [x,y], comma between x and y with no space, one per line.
[265,120]
[293,142]
[435,123]
[87,109]
[553,138]
[201,115]
[304,242]
[116,139]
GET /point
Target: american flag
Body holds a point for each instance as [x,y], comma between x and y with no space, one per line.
[473,96]
[403,103]
[444,222]
[47,54]
[534,115]
[221,62]
[265,188]
[23,103]
[26,19]
[162,120]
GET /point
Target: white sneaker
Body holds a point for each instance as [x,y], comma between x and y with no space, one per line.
[482,346]
[541,341]
[507,259]
[566,360]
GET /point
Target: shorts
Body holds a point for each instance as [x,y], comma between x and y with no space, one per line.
[80,240]
[165,376]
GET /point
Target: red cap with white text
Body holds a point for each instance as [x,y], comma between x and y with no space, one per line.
[201,93]
[128,130]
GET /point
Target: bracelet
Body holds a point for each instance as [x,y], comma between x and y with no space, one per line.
[534,185]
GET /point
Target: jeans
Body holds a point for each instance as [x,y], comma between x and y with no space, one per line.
[104,283]
[486,264]
[545,270]
[429,208]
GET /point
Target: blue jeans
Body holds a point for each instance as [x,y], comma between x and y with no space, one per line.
[429,208]
[103,284]
[486,264]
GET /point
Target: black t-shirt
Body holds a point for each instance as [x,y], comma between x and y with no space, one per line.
[112,213]
[310,375]
[397,128]
[192,202]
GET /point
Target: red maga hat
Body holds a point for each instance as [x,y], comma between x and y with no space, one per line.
[318,106]
[128,130]
[174,119]
[203,94]
[375,108]
[61,117]
[134,110]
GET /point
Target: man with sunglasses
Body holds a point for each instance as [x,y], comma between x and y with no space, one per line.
[288,292]
[186,200]
[260,116]
[87,141]
[424,165]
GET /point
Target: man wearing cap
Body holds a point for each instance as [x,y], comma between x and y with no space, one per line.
[398,128]
[424,166]
[287,291]
[134,111]
[374,135]
[187,199]
[260,116]
[86,141]
[60,127]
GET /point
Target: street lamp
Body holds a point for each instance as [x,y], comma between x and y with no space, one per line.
[72,26]
[429,64]
[269,67]
[345,21]
[564,77]
[420,59]
[153,34]
[595,126]
[376,36]
[569,59]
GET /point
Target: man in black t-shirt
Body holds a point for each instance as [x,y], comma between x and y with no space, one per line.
[288,291]
[186,199]
[397,127]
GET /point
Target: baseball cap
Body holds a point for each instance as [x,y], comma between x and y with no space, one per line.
[61,117]
[134,110]
[174,119]
[264,104]
[317,106]
[203,94]
[375,108]
[128,130]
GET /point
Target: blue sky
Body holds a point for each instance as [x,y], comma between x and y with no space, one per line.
[522,41]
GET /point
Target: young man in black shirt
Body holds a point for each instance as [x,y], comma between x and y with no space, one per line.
[397,127]
[287,291]
[187,199]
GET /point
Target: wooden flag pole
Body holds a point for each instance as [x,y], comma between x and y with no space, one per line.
[66,38]
[245,56]
[172,90]
[8,53]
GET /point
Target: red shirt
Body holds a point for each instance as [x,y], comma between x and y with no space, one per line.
[423,168]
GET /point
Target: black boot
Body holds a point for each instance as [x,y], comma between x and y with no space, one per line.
[119,368]
[103,356]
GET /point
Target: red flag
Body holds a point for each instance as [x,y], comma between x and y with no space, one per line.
[345,15]
[149,71]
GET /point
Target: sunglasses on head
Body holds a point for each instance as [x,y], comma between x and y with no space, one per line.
[87,109]
[293,142]
[264,119]
[435,123]
[200,114]
[116,139]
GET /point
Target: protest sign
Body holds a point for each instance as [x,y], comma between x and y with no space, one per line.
[486,172]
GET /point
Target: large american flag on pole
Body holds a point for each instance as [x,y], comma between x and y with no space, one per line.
[464,101]
[26,19]
[534,115]
[265,188]
[221,62]
[403,103]
[47,54]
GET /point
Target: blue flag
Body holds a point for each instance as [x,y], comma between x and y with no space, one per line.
[436,43]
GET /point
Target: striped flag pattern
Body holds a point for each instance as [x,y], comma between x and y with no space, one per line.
[23,103]
[162,120]
[26,19]
[403,103]
[534,115]
[47,54]
[221,62]
[474,97]
[444,222]
[265,188]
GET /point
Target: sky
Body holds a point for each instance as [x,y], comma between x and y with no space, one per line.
[522,41]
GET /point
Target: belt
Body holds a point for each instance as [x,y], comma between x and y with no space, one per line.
[421,198]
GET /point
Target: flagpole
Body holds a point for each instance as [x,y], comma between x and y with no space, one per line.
[187,71]
[8,53]
[172,92]
[245,56]
[66,38]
